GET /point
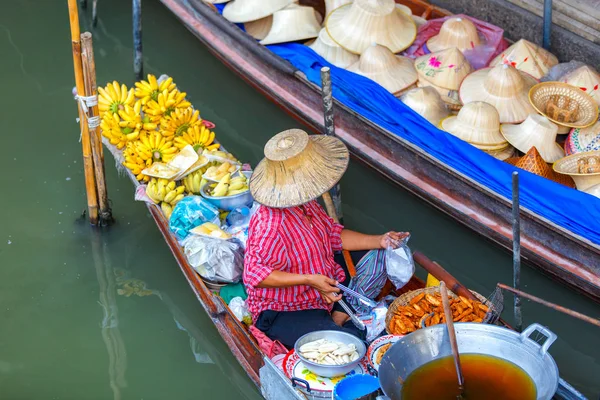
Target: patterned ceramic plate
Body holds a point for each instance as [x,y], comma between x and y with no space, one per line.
[293,368]
[376,347]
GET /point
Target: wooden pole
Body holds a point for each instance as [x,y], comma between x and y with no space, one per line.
[516,228]
[138,61]
[88,164]
[89,73]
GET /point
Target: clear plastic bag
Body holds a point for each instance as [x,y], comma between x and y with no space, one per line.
[240,310]
[374,321]
[215,259]
[400,265]
[191,212]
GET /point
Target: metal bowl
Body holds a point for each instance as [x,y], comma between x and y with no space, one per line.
[229,203]
[329,371]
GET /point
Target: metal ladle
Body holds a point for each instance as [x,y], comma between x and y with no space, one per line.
[452,337]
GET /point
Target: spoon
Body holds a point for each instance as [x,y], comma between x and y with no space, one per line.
[453,344]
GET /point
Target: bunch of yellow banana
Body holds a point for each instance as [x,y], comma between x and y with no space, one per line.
[165,192]
[131,117]
[135,163]
[112,98]
[112,131]
[180,122]
[217,173]
[149,90]
[165,104]
[199,137]
[229,186]
[153,146]
[194,181]
[210,229]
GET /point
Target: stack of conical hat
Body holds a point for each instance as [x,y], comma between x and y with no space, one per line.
[427,103]
[455,32]
[533,162]
[527,57]
[586,79]
[240,11]
[583,139]
[331,5]
[504,87]
[355,26]
[444,71]
[394,73]
[292,24]
[583,168]
[536,131]
[332,52]
[260,28]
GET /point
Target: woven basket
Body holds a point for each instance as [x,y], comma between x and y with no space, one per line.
[405,299]
[580,106]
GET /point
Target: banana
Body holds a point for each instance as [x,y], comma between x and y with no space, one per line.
[171,186]
[179,189]
[149,90]
[166,102]
[210,226]
[177,199]
[237,185]
[155,147]
[166,209]
[113,97]
[234,192]
[170,196]
[180,122]
[162,192]
[220,190]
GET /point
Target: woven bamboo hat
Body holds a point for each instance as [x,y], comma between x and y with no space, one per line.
[564,104]
[577,167]
[455,32]
[502,86]
[394,73]
[240,11]
[355,26]
[477,123]
[332,52]
[427,103]
[260,28]
[298,168]
[502,154]
[450,97]
[293,24]
[585,78]
[536,131]
[534,163]
[583,139]
[446,69]
[527,57]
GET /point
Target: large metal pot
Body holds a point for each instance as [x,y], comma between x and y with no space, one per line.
[429,344]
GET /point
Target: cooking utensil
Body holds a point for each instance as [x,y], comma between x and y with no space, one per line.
[357,322]
[363,299]
[452,337]
[429,344]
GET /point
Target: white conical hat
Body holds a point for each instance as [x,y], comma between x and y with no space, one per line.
[527,57]
[536,131]
[394,73]
[445,69]
[585,78]
[293,24]
[455,32]
[331,5]
[427,103]
[240,11]
[260,28]
[477,123]
[332,52]
[355,26]
[216,1]
[570,165]
[450,97]
[502,86]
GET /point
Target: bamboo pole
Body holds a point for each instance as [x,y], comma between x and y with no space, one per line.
[90,185]
[138,61]
[89,73]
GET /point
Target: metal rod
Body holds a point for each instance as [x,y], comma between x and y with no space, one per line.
[94,13]
[547,24]
[553,306]
[516,228]
[138,62]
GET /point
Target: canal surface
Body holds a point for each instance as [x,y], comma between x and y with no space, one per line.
[67,328]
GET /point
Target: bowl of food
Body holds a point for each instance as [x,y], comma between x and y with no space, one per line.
[330,353]
[230,192]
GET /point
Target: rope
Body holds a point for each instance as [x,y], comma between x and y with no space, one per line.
[86,101]
[94,122]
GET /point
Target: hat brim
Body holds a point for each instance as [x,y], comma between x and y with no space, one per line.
[241,11]
[454,126]
[551,152]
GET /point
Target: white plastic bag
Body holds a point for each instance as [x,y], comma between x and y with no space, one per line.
[375,321]
[215,259]
[240,310]
[399,264]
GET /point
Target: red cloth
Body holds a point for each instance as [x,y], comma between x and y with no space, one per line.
[283,239]
[269,347]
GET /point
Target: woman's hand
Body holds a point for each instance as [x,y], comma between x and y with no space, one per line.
[326,286]
[392,239]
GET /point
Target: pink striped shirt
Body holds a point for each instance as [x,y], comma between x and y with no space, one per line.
[284,239]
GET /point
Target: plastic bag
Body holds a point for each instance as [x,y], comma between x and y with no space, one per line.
[238,221]
[374,321]
[217,260]
[559,70]
[240,310]
[191,212]
[400,265]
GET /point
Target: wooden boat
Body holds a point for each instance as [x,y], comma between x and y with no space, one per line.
[553,249]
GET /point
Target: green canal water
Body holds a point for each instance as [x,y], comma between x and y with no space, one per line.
[65,331]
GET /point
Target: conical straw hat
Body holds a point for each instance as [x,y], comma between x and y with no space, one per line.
[583,139]
[586,79]
[536,131]
[455,32]
[427,103]
[534,163]
[293,24]
[527,57]
[331,5]
[239,11]
[260,28]
[406,10]
[502,154]
[446,69]
[216,1]
[394,73]
[477,123]
[450,97]
[502,86]
[298,168]
[355,26]
[332,52]
[570,165]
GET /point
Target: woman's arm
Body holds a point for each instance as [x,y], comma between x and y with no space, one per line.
[325,285]
[356,241]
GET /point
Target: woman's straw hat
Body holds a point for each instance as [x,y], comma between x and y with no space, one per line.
[455,32]
[260,28]
[583,139]
[502,86]
[445,69]
[534,163]
[527,57]
[477,123]
[502,154]
[572,166]
[394,73]
[240,11]
[427,103]
[293,24]
[355,26]
[298,168]
[564,104]
[332,52]
[536,131]
[585,78]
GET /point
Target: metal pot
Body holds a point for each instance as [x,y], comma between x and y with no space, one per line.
[429,344]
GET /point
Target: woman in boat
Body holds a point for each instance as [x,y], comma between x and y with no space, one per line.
[293,259]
